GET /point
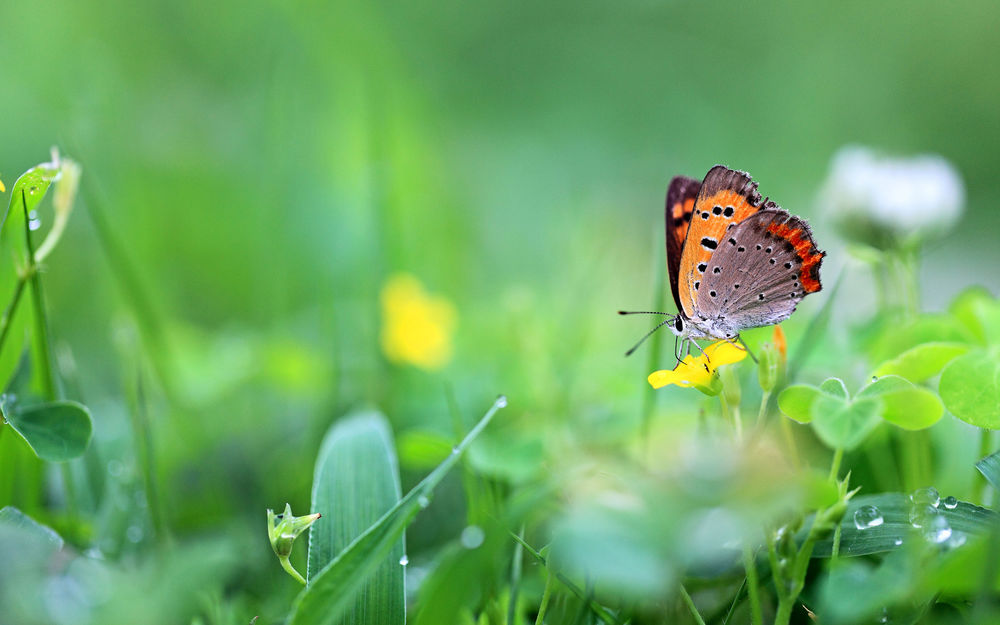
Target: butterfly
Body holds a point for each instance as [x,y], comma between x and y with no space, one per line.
[734,261]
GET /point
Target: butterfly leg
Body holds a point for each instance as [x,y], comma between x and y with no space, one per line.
[743,346]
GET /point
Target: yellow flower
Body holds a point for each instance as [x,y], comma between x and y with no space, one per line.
[700,372]
[416,327]
[3,189]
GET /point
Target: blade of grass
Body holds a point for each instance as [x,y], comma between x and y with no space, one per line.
[356,481]
[332,591]
[816,329]
[600,611]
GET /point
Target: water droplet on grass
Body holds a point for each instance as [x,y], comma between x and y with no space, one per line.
[404,560]
[472,536]
[950,502]
[898,542]
[937,530]
[134,533]
[501,401]
[423,501]
[926,496]
[115,468]
[867,516]
[922,515]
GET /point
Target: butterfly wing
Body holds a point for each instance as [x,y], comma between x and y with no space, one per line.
[726,198]
[761,270]
[681,195]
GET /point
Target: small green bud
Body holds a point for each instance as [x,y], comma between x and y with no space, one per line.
[282,530]
[731,390]
[771,368]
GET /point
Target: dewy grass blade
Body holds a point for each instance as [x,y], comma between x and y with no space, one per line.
[356,481]
[990,468]
[332,591]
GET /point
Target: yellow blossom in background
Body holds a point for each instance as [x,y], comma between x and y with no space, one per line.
[417,327]
[700,372]
[3,189]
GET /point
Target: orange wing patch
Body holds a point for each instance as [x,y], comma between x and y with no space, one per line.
[811,257]
[681,196]
[727,197]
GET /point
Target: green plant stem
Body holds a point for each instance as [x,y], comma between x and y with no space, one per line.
[595,607]
[546,594]
[46,375]
[691,606]
[732,415]
[515,579]
[285,564]
[750,565]
[655,343]
[151,326]
[762,412]
[8,314]
[789,436]
[838,456]
[913,459]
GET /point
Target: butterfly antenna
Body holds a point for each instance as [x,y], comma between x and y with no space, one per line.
[648,334]
[643,312]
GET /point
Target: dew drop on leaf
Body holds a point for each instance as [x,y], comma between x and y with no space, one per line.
[404,560]
[926,496]
[867,516]
[937,530]
[950,502]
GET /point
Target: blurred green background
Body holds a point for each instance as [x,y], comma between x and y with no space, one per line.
[265,167]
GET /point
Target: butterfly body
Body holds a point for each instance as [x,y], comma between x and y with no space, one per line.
[735,261]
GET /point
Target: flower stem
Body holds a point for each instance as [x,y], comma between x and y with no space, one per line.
[762,412]
[751,568]
[285,564]
[732,415]
[691,606]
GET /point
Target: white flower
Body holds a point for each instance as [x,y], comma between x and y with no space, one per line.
[883,200]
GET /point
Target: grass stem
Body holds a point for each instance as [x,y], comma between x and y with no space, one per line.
[750,565]
[546,595]
[691,606]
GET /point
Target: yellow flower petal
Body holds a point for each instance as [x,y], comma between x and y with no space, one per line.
[3,189]
[723,353]
[699,372]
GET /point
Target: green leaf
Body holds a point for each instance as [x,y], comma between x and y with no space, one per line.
[896,529]
[25,195]
[978,312]
[332,592]
[357,481]
[970,388]
[896,338]
[12,517]
[56,431]
[904,404]
[834,387]
[990,468]
[923,361]
[843,424]
[796,402]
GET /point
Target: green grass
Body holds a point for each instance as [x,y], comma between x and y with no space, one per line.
[197,334]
